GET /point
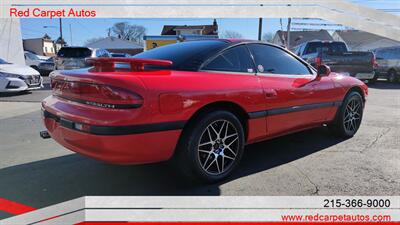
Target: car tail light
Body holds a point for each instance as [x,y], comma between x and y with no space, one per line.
[374,62]
[136,64]
[96,94]
[318,61]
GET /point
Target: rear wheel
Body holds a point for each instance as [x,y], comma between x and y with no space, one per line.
[392,76]
[349,116]
[211,147]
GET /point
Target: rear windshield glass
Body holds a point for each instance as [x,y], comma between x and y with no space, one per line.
[74,52]
[186,55]
[326,47]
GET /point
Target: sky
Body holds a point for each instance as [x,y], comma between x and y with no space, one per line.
[78,31]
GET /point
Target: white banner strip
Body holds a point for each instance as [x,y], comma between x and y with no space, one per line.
[345,13]
[234,202]
[219,208]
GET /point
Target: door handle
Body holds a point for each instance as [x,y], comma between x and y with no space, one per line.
[270,93]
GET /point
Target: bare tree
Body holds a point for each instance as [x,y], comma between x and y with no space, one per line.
[93,40]
[268,37]
[231,34]
[129,32]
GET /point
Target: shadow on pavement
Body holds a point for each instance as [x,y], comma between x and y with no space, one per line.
[55,180]
[384,85]
[14,94]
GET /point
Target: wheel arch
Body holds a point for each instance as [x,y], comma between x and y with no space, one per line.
[229,106]
[355,89]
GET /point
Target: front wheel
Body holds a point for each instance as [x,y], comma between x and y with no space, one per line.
[211,147]
[349,116]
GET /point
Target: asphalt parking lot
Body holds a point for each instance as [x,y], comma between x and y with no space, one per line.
[39,172]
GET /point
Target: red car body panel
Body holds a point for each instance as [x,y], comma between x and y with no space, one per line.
[274,105]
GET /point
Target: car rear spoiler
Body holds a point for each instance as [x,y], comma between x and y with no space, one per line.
[108,64]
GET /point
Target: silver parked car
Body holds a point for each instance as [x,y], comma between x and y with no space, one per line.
[74,57]
[388,60]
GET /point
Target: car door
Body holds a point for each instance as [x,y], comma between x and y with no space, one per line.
[295,97]
[238,69]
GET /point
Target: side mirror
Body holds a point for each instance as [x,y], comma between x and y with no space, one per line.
[323,70]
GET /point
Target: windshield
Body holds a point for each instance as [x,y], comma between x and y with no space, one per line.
[74,52]
[326,47]
[3,62]
[31,56]
[185,55]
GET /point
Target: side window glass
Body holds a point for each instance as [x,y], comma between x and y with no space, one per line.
[29,56]
[236,59]
[302,49]
[270,59]
[296,50]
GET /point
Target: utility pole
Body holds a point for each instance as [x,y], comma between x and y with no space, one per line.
[70,33]
[288,33]
[61,37]
[260,26]
[260,29]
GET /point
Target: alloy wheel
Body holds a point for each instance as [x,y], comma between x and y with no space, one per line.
[352,115]
[218,147]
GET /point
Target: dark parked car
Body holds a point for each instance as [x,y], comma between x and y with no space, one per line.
[388,60]
[74,57]
[336,55]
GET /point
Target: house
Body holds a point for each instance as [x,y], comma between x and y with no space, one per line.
[40,46]
[154,41]
[357,40]
[171,34]
[116,45]
[191,29]
[299,37]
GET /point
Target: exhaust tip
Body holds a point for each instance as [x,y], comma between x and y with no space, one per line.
[44,134]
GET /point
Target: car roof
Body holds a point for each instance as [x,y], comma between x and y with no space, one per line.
[324,41]
[387,48]
[78,47]
[236,41]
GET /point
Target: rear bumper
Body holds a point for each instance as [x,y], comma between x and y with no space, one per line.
[365,76]
[138,146]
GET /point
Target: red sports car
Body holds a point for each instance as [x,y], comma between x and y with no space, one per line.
[198,103]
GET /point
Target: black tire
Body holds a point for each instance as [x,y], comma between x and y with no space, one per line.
[341,127]
[35,68]
[374,79]
[392,76]
[210,162]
